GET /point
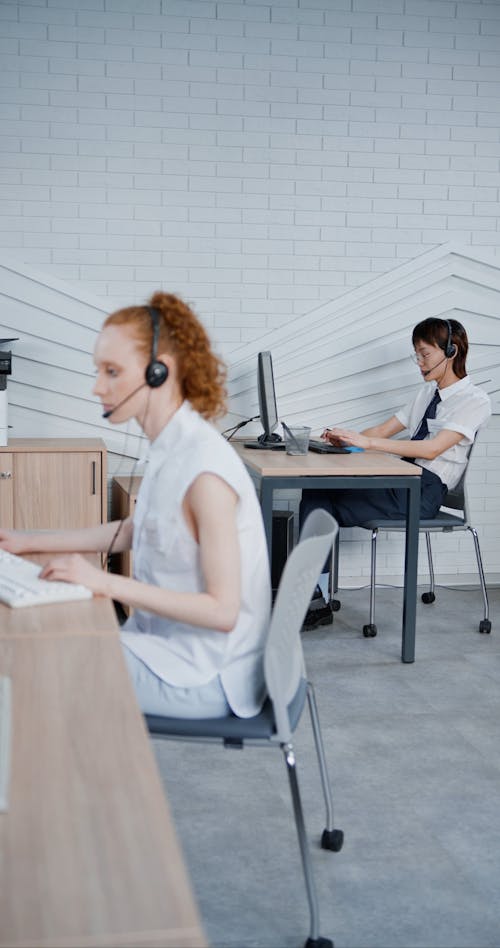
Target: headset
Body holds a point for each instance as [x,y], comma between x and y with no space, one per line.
[156,372]
[449,348]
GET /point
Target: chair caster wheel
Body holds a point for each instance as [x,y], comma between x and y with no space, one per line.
[332,840]
[428,597]
[318,943]
[335,605]
[485,625]
[369,631]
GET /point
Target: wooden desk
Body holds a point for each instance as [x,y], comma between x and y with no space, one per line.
[275,470]
[88,853]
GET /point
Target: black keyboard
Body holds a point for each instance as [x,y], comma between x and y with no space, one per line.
[324,447]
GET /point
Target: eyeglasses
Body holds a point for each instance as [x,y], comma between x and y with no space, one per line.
[417,357]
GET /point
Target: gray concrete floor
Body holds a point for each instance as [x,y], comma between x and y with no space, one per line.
[414,758]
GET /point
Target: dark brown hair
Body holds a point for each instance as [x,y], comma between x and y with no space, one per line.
[435,332]
[201,373]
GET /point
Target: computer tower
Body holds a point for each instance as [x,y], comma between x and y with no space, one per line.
[282,543]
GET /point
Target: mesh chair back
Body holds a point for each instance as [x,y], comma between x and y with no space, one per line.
[456,499]
[283,657]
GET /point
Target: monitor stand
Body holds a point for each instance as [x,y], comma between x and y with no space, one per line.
[265,442]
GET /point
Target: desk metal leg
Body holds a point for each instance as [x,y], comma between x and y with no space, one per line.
[411,564]
[333,575]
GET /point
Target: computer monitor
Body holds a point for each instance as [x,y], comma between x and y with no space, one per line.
[267,399]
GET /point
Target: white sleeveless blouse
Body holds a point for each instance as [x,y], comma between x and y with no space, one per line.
[166,554]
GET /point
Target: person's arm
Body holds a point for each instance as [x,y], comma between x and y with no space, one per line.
[428,449]
[84,540]
[386,429]
[210,510]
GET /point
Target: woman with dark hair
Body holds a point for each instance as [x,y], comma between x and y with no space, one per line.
[442,421]
[201,587]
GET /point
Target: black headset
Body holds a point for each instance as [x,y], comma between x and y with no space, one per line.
[156,372]
[449,348]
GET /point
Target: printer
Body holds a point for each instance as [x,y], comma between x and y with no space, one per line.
[5,370]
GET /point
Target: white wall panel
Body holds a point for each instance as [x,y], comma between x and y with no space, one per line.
[50,390]
[347,362]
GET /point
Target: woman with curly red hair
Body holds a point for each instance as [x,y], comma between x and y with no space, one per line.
[201,587]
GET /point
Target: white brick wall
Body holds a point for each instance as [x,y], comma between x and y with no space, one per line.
[258,157]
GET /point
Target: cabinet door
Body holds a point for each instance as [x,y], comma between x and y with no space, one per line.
[6,490]
[57,490]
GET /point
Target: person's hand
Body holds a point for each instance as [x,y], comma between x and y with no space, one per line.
[326,435]
[342,437]
[74,568]
[329,435]
[14,541]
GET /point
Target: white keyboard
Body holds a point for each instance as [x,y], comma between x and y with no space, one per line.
[20,585]
[5,740]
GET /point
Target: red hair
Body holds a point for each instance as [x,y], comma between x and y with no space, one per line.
[201,374]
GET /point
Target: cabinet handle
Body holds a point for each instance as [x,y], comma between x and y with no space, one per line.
[93,477]
[5,475]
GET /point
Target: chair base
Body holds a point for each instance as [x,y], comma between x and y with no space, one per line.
[319,943]
[332,840]
[428,597]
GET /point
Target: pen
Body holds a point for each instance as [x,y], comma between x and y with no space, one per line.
[290,435]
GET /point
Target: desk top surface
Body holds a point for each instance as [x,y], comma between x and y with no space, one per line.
[44,445]
[362,463]
[88,852]
[59,620]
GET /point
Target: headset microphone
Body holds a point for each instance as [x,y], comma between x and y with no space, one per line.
[428,371]
[106,414]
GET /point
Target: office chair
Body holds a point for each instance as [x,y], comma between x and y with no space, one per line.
[287,689]
[443,522]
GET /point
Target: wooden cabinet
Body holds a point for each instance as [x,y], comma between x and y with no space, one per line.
[6,489]
[53,483]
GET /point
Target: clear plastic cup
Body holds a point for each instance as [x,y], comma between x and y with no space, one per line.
[296,439]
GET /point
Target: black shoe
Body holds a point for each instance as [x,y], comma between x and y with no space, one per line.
[321,615]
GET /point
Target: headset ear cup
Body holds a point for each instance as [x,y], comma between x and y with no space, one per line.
[156,374]
[449,348]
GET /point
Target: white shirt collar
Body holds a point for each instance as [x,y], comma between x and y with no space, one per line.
[455,388]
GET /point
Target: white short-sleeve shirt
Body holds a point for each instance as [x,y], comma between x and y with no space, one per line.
[166,554]
[463,408]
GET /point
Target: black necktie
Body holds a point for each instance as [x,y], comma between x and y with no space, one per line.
[430,412]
